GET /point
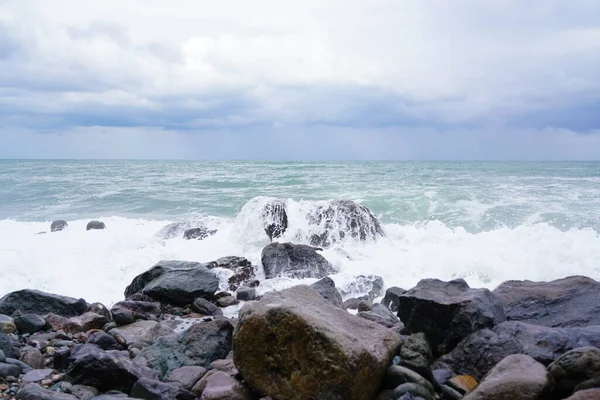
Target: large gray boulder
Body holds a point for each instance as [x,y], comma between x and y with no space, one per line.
[447,312]
[294,261]
[200,345]
[30,301]
[175,282]
[294,344]
[516,377]
[542,343]
[568,302]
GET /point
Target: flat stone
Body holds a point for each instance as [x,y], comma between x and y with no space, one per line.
[33,391]
[30,301]
[38,375]
[188,376]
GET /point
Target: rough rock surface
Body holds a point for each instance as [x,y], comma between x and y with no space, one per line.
[326,288]
[200,345]
[188,376]
[198,233]
[310,349]
[34,391]
[542,343]
[416,354]
[30,301]
[142,334]
[447,312]
[516,377]
[391,298]
[128,311]
[152,389]
[577,369]
[588,394]
[274,218]
[294,261]
[243,271]
[205,307]
[29,323]
[175,282]
[568,302]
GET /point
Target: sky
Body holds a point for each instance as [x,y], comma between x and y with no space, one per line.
[301,80]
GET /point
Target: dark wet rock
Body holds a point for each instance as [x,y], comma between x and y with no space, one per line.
[339,219]
[178,229]
[575,370]
[175,282]
[205,307]
[274,218]
[88,321]
[150,389]
[200,345]
[326,288]
[24,367]
[37,375]
[105,370]
[294,261]
[104,341]
[188,376]
[372,285]
[58,226]
[2,357]
[198,233]
[93,225]
[568,302]
[9,370]
[32,357]
[246,293]
[450,393]
[100,309]
[414,389]
[217,385]
[396,375]
[364,305]
[447,312]
[34,391]
[310,348]
[542,343]
[128,311]
[517,376]
[416,354]
[144,333]
[29,323]
[7,324]
[227,301]
[61,358]
[391,298]
[29,301]
[351,304]
[243,271]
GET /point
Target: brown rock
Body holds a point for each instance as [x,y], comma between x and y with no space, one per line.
[464,383]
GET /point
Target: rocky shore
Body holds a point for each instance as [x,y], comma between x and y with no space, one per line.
[170,338]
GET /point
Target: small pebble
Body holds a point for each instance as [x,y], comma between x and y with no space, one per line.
[47,382]
[50,351]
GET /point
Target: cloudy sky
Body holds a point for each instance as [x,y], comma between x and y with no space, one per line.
[311,79]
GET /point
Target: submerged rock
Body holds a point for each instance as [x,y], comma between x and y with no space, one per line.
[341,218]
[447,312]
[92,225]
[310,349]
[198,233]
[175,282]
[58,226]
[178,229]
[29,301]
[568,302]
[294,261]
[369,287]
[274,218]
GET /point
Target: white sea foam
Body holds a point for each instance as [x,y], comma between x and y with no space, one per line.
[98,265]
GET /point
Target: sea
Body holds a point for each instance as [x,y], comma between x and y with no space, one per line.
[485,222]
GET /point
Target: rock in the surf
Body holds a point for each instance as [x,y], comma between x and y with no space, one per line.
[447,312]
[542,343]
[339,219]
[364,287]
[92,225]
[243,271]
[58,226]
[200,345]
[246,293]
[391,298]
[515,377]
[29,301]
[178,229]
[309,348]
[294,261]
[274,218]
[571,301]
[198,233]
[326,288]
[175,282]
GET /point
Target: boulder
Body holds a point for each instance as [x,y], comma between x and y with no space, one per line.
[416,354]
[588,394]
[151,389]
[34,391]
[175,282]
[58,226]
[339,219]
[198,233]
[9,370]
[380,314]
[105,370]
[217,385]
[568,302]
[294,261]
[364,287]
[447,312]
[294,344]
[392,297]
[243,271]
[205,307]
[542,343]
[463,383]
[199,345]
[142,334]
[32,357]
[83,392]
[178,229]
[227,301]
[7,324]
[518,376]
[246,293]
[274,218]
[326,288]
[188,376]
[29,323]
[575,370]
[128,311]
[30,301]
[88,321]
[93,225]
[100,309]
[104,341]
